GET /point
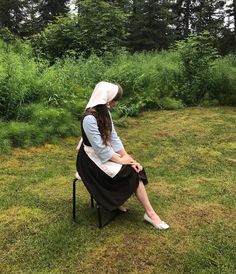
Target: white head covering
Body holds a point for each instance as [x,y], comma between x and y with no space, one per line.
[103,93]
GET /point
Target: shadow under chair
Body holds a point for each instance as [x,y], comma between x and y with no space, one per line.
[99,208]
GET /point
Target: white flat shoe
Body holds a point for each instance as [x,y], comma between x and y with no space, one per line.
[161,225]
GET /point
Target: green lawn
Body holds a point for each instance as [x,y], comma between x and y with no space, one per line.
[190,158]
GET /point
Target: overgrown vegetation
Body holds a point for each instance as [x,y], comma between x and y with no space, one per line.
[46,101]
[189,157]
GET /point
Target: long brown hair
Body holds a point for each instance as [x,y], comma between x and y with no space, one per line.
[101,113]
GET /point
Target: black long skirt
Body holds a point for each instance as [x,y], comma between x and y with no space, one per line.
[107,191]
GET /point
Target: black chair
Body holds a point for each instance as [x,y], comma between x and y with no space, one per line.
[98,206]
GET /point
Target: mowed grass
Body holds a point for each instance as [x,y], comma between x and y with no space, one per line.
[190,158]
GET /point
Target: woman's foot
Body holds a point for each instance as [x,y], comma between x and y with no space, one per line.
[155,220]
[154,217]
[122,208]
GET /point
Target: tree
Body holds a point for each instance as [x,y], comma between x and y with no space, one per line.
[196,54]
[231,12]
[100,31]
[57,38]
[149,25]
[11,14]
[88,32]
[182,16]
[26,17]
[49,9]
[228,38]
[208,15]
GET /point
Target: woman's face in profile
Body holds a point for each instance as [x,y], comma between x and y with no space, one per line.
[112,104]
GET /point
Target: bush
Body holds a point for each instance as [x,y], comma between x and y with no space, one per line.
[223,81]
[4,141]
[170,103]
[54,121]
[196,53]
[48,123]
[18,75]
[131,110]
[143,75]
[22,134]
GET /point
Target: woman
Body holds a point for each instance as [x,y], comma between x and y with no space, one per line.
[109,173]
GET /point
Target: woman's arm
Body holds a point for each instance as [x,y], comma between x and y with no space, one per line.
[135,165]
[104,152]
[91,130]
[123,160]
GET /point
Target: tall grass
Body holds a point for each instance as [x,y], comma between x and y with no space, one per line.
[150,80]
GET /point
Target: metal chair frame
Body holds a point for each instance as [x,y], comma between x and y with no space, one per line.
[98,207]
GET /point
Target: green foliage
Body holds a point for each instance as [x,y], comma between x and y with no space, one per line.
[22,134]
[196,54]
[18,75]
[170,103]
[223,80]
[128,110]
[51,120]
[7,36]
[143,75]
[52,98]
[4,141]
[149,25]
[36,125]
[58,38]
[90,32]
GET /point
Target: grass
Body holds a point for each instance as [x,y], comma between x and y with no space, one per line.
[189,156]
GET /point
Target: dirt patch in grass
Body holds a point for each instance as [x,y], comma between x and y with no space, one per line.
[130,253]
[162,189]
[195,216]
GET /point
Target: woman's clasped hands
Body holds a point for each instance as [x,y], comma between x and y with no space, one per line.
[128,160]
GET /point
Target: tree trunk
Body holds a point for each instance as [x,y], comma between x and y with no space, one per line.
[234,14]
[187,18]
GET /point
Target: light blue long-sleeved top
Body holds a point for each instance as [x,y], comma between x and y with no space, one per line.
[103,151]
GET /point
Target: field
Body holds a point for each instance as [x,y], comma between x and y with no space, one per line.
[190,158]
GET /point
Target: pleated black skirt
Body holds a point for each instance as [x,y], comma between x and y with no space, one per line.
[107,191]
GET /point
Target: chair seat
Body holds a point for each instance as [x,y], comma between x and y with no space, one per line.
[77,176]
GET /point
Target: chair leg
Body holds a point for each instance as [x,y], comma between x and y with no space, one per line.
[74,198]
[92,201]
[99,216]
[100,225]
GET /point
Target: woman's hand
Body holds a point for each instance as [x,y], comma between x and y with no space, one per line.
[123,160]
[127,160]
[137,167]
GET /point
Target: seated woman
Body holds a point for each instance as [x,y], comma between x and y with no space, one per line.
[109,173]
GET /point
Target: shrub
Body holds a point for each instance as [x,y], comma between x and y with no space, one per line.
[4,141]
[170,103]
[18,74]
[38,124]
[131,110]
[22,134]
[223,81]
[54,121]
[196,53]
